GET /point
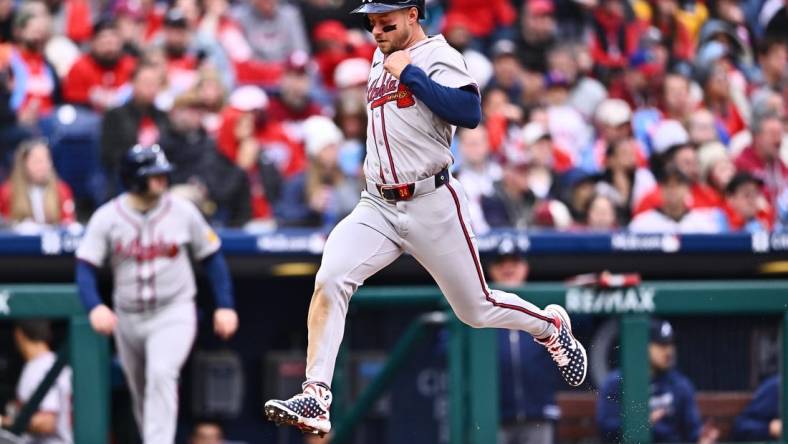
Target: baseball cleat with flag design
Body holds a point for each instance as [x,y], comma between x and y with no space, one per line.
[308,411]
[566,351]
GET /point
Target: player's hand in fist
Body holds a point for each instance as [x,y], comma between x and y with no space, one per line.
[225,322]
[396,62]
[102,319]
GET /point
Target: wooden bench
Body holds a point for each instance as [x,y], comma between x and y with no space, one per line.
[578,413]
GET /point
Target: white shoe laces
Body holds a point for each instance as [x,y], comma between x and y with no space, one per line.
[557,352]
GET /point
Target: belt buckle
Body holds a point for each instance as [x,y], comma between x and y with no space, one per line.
[398,192]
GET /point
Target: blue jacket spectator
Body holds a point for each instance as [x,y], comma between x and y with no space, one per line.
[671,392]
[760,421]
[673,412]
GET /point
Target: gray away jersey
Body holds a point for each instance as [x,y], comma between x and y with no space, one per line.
[405,140]
[149,253]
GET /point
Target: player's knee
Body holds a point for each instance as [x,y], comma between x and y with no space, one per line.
[331,285]
[472,319]
[157,374]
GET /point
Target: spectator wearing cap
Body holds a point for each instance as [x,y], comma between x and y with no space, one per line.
[614,38]
[36,88]
[586,93]
[577,188]
[138,121]
[567,126]
[761,419]
[762,158]
[333,44]
[477,172]
[293,102]
[506,70]
[181,63]
[745,207]
[613,119]
[130,24]
[673,410]
[673,149]
[322,195]
[538,30]
[675,215]
[258,145]
[202,174]
[538,147]
[622,179]
[100,79]
[273,29]
[528,378]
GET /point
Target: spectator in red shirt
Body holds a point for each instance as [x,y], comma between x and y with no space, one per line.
[762,158]
[614,38]
[35,82]
[293,102]
[485,17]
[259,146]
[713,74]
[745,207]
[100,79]
[673,150]
[34,194]
[679,39]
[130,22]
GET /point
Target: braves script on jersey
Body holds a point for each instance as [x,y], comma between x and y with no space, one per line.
[149,253]
[405,140]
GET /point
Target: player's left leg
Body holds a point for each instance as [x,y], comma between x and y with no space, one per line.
[442,241]
[167,346]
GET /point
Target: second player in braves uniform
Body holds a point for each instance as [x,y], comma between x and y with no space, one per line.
[418,92]
[146,234]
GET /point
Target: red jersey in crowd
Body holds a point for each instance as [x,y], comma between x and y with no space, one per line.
[613,40]
[37,79]
[86,79]
[287,155]
[484,16]
[64,195]
[737,223]
[701,196]
[774,175]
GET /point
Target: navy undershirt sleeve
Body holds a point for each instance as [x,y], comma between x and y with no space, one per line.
[87,284]
[458,106]
[219,277]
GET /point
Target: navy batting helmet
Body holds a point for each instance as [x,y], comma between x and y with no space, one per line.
[383,6]
[139,163]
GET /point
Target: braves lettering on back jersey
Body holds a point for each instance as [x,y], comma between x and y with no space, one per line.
[149,253]
[406,141]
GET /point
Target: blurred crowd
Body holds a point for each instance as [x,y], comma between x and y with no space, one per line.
[652,115]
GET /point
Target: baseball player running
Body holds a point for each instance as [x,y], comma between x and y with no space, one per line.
[146,234]
[418,92]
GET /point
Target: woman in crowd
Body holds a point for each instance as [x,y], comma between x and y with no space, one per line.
[34,195]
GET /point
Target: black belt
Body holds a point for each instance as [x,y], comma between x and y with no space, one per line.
[406,191]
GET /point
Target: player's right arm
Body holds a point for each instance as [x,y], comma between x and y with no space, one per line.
[90,255]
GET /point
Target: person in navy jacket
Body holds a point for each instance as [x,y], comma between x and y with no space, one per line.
[674,414]
[761,421]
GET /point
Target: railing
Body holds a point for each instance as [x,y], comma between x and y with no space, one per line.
[473,359]
[84,350]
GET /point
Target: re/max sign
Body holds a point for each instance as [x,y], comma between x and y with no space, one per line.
[626,300]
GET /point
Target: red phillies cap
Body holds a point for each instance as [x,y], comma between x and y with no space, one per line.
[541,7]
[330,30]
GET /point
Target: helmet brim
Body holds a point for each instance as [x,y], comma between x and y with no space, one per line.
[380,8]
